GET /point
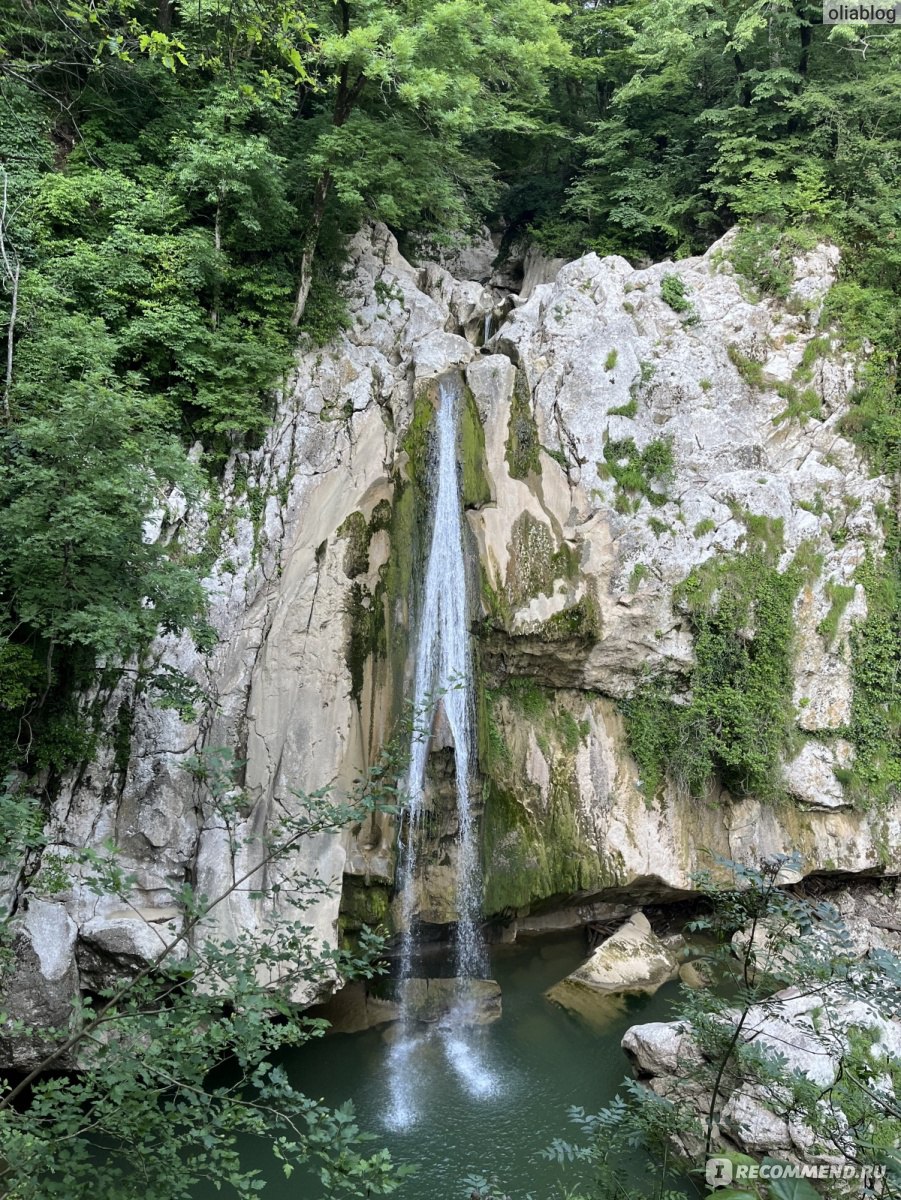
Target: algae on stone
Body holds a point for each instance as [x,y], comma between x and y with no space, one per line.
[523,444]
[535,846]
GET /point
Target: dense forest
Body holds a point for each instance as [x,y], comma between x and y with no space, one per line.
[179,185]
[175,183]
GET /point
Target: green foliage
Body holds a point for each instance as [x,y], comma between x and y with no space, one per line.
[636,471]
[326,313]
[801,405]
[737,720]
[78,576]
[162,171]
[527,696]
[764,253]
[639,572]
[750,371]
[629,409]
[75,489]
[674,293]
[610,360]
[873,420]
[839,597]
[180,1053]
[876,703]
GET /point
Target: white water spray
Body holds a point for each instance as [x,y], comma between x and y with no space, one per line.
[443,678]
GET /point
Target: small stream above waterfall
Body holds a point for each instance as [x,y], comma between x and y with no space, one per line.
[444,717]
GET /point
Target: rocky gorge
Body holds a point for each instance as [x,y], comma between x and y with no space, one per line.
[632,443]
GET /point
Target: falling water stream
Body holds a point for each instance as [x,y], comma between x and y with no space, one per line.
[457,1097]
[443,694]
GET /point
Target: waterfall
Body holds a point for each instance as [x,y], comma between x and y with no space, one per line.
[442,696]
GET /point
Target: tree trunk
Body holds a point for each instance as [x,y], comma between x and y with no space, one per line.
[346,98]
[164,15]
[320,195]
[217,284]
[11,267]
[806,37]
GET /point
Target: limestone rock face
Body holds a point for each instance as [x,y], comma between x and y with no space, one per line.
[41,991]
[315,544]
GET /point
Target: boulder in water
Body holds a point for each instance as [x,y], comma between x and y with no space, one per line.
[472,1001]
[633,960]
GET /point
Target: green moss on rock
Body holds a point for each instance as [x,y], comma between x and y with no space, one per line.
[355,529]
[737,720]
[531,569]
[529,859]
[417,441]
[523,445]
[578,622]
[534,847]
[475,486]
[364,904]
[875,655]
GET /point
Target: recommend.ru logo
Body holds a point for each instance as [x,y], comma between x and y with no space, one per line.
[718,1172]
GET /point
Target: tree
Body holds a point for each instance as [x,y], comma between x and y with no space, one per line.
[176,1062]
[414,82]
[11,270]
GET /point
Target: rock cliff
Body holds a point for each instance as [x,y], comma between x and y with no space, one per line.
[625,431]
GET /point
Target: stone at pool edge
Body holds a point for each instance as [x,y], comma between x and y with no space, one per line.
[631,961]
[353,1009]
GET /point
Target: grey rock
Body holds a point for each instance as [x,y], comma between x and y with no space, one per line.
[584,339]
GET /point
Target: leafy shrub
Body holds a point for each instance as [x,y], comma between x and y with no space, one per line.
[635,471]
[674,293]
[738,719]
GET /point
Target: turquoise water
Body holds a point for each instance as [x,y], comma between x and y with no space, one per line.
[534,1063]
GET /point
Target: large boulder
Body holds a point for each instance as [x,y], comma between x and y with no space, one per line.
[633,961]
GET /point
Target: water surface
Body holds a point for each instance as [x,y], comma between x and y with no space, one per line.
[485,1105]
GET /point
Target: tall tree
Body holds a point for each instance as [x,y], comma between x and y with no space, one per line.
[403,88]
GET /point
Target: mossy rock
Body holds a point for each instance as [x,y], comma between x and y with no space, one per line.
[535,849]
[523,444]
[377,616]
[355,529]
[531,569]
[579,622]
[364,905]
[738,724]
[474,483]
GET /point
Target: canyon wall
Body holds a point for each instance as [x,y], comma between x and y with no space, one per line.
[622,434]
